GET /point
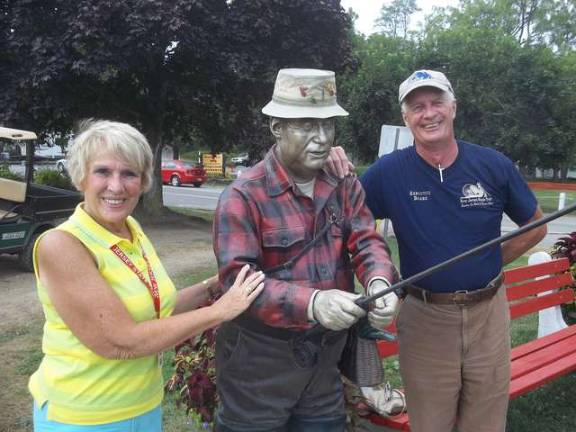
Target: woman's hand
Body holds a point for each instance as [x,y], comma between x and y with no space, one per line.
[338,164]
[240,295]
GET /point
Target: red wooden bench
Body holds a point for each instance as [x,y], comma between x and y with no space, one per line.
[534,363]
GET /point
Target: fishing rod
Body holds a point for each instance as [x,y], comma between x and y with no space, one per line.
[364,302]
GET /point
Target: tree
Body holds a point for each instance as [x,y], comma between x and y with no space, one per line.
[556,24]
[370,93]
[174,69]
[395,18]
[512,96]
[267,35]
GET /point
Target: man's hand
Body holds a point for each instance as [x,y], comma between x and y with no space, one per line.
[384,310]
[338,164]
[336,310]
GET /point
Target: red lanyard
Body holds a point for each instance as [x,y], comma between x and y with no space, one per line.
[152,285]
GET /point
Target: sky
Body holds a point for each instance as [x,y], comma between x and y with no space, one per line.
[369,10]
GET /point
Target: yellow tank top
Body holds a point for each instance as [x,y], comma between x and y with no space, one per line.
[80,386]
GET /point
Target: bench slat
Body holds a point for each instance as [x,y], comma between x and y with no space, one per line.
[517,292]
[520,274]
[534,363]
[388,349]
[539,303]
[399,422]
[541,358]
[533,380]
[542,342]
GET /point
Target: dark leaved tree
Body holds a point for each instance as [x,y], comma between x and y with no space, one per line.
[175,69]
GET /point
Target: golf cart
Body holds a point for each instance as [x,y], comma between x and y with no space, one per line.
[28,209]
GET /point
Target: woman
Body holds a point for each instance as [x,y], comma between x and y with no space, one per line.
[110,307]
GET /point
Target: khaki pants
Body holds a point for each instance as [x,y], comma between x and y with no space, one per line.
[455,364]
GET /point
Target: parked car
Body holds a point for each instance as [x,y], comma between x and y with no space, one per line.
[177,172]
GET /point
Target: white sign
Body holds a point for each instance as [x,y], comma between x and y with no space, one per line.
[14,235]
[394,138]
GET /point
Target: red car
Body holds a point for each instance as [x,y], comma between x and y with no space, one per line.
[176,172]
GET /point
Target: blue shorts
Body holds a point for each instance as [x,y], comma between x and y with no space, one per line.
[150,421]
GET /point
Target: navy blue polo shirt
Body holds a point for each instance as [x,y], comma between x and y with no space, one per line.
[436,220]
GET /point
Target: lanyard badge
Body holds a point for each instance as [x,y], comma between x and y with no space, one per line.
[152,285]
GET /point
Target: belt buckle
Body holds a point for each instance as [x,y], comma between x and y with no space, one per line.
[459,297]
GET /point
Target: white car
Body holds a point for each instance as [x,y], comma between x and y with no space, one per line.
[241,159]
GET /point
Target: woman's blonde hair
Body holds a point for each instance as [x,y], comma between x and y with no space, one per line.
[119,139]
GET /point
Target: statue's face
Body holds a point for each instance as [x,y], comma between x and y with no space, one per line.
[303,145]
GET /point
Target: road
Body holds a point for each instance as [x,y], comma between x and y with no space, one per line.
[206,198]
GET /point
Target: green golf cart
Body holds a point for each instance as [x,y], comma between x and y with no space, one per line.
[28,209]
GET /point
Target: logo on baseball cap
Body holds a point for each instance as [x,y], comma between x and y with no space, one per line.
[424,78]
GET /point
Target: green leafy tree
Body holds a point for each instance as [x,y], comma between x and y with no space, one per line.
[556,24]
[370,93]
[394,18]
[513,95]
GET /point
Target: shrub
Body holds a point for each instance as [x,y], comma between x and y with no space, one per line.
[52,178]
[565,247]
[7,174]
[194,378]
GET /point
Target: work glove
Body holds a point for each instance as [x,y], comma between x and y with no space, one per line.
[384,309]
[335,309]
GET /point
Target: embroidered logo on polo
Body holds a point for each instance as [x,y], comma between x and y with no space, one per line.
[420,195]
[474,195]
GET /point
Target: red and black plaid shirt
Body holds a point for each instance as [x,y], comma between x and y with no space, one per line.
[263,220]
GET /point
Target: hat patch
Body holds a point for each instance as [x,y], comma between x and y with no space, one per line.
[420,75]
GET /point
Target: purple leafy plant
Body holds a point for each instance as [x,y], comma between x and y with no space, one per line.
[194,377]
[565,247]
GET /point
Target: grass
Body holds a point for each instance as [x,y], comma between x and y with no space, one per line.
[207,215]
[548,199]
[20,355]
[547,409]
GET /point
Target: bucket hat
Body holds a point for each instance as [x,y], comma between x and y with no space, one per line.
[303,93]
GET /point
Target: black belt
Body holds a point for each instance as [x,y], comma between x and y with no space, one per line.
[304,348]
[263,329]
[460,298]
[258,327]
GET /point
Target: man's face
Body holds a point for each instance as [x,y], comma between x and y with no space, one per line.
[303,145]
[429,114]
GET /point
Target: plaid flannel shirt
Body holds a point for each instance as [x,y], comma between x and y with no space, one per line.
[263,219]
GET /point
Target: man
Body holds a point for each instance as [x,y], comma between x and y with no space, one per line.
[309,232]
[444,197]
